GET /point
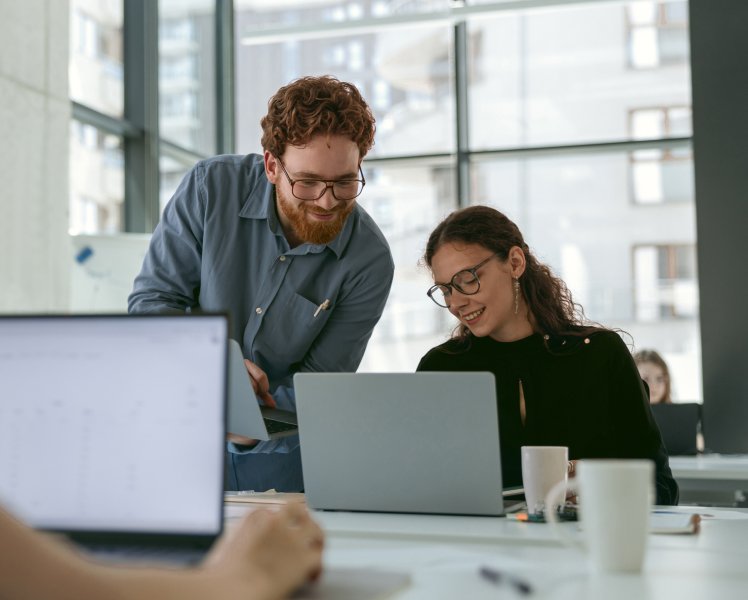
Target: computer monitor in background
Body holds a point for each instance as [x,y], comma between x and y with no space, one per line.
[679,426]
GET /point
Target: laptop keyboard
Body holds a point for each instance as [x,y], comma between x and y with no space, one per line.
[278,426]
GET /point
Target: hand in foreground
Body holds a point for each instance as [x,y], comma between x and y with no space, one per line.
[268,556]
[260,383]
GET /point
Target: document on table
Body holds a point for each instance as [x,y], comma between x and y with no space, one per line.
[268,497]
[673,522]
[354,584]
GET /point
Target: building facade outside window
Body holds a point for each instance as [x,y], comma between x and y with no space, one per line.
[577,77]
[575,120]
[96,79]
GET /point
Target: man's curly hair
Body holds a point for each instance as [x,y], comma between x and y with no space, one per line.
[312,106]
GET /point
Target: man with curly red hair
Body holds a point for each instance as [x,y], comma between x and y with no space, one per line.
[279,242]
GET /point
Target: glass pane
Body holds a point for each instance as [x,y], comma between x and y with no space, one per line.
[310,12]
[661,179]
[96,57]
[407,201]
[405,74]
[187,84]
[172,173]
[97,180]
[572,74]
[576,215]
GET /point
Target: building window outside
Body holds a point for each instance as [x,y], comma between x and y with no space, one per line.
[96,75]
[665,282]
[657,33]
[97,180]
[661,175]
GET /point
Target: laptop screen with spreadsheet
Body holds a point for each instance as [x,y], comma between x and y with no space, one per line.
[114,423]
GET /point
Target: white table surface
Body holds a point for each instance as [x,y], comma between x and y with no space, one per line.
[442,555]
[710,467]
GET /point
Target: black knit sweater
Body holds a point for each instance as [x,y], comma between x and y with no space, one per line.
[580,392]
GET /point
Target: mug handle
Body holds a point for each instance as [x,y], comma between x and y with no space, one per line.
[551,500]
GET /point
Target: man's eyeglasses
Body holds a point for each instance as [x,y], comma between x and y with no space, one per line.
[343,190]
[465,281]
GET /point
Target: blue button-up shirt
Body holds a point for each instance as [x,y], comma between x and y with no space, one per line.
[220,247]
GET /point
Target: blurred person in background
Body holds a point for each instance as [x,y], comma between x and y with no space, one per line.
[653,370]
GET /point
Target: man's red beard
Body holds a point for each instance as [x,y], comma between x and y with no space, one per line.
[308,230]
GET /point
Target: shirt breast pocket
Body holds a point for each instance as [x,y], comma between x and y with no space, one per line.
[295,325]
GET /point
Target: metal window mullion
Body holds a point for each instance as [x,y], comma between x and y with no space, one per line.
[140,33]
[185,156]
[225,73]
[462,133]
[115,126]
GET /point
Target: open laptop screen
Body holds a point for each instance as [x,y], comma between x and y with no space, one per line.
[113,423]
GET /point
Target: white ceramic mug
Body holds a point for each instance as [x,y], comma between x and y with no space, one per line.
[542,468]
[615,499]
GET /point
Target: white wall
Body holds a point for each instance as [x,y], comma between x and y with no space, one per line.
[34,134]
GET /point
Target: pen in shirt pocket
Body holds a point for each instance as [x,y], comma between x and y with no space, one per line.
[324,306]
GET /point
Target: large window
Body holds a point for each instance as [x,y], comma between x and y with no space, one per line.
[96,79]
[574,119]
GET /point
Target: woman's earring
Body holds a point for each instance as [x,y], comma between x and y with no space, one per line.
[516,295]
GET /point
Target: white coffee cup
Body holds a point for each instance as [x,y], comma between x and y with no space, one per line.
[542,468]
[615,499]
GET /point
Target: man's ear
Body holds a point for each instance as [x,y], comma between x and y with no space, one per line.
[271,167]
[517,261]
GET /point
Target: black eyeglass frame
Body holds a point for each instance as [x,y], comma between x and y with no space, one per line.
[329,184]
[453,284]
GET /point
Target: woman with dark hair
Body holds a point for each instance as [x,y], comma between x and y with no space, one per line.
[653,370]
[560,381]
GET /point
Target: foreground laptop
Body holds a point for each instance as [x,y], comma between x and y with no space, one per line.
[400,442]
[246,416]
[679,426]
[112,430]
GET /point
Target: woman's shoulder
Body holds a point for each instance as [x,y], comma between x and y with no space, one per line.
[595,340]
[444,356]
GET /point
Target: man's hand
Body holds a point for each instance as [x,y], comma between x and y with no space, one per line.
[260,383]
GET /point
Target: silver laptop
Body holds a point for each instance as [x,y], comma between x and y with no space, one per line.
[400,442]
[246,415]
[112,430]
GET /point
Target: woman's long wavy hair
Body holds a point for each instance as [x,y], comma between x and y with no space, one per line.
[551,309]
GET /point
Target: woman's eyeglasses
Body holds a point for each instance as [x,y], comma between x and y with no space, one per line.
[465,281]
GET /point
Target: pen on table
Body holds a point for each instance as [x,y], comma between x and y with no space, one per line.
[324,306]
[498,577]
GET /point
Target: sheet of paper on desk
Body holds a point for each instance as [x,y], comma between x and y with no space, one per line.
[268,497]
[354,584]
[666,522]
